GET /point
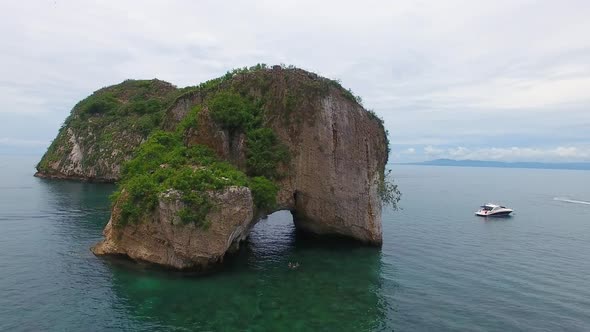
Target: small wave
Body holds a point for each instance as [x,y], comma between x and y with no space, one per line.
[565,199]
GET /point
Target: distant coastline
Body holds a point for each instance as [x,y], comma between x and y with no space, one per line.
[499,164]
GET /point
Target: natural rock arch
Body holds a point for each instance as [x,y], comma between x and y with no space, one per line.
[338,154]
[338,149]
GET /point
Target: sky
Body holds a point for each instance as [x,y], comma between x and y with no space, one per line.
[490,80]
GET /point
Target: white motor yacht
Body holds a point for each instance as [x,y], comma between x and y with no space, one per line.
[493,210]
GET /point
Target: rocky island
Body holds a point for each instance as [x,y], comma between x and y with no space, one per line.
[198,167]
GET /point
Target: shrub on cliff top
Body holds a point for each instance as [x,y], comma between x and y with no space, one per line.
[100,104]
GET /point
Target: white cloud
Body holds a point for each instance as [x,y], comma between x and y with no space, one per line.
[432,151]
[552,154]
[439,72]
[512,93]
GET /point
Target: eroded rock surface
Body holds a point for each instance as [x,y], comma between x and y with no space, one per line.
[330,183]
[166,241]
[104,129]
[338,149]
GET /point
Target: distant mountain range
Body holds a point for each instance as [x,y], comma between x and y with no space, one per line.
[483,163]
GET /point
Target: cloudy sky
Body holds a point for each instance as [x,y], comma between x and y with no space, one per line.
[497,80]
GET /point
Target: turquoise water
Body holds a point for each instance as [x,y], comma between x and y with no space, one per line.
[440,268]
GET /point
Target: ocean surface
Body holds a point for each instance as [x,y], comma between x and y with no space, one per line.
[440,268]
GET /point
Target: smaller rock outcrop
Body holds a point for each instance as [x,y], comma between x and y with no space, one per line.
[167,241]
[104,129]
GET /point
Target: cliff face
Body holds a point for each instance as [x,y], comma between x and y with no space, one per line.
[104,129]
[294,140]
[338,149]
[164,239]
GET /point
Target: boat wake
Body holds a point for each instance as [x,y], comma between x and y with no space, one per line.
[567,200]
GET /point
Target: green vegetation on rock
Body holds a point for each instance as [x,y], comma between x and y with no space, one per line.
[108,125]
[164,165]
[190,120]
[388,191]
[264,192]
[126,120]
[133,104]
[264,152]
[302,87]
[236,113]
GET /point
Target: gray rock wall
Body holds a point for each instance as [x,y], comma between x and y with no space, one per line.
[166,241]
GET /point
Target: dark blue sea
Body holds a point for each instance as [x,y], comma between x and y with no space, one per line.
[441,268]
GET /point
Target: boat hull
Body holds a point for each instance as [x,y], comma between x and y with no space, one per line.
[494,214]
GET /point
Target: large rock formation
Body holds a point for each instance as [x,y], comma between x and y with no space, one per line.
[337,149]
